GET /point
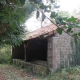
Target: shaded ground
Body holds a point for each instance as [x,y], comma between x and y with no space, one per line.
[8,72]
[1,76]
[11,73]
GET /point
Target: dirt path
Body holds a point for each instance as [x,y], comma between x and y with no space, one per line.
[11,73]
[1,76]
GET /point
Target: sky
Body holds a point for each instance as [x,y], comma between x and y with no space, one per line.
[65,5]
[69,5]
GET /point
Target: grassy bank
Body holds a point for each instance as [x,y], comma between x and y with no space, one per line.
[15,73]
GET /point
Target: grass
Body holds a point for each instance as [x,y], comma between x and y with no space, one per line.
[70,73]
[14,73]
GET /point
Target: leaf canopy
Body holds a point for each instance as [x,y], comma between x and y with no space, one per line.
[12,15]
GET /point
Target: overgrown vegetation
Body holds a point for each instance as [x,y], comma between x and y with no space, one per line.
[11,29]
[5,54]
[75,56]
[13,14]
[12,17]
[70,73]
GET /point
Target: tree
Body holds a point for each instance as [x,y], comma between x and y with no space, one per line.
[69,22]
[13,14]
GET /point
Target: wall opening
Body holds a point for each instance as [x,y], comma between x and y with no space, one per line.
[18,52]
[36,50]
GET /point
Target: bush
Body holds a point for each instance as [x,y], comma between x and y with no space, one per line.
[5,54]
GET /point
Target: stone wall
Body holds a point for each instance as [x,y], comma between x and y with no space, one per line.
[59,51]
[31,67]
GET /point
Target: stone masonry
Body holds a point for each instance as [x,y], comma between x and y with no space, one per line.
[59,48]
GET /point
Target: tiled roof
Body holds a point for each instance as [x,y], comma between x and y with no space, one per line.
[46,31]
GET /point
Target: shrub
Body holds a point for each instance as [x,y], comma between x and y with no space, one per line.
[5,54]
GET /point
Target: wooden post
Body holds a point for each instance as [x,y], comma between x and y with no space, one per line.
[25,51]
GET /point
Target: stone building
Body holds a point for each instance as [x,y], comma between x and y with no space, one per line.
[43,50]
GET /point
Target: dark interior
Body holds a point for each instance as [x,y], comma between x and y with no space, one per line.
[18,52]
[36,50]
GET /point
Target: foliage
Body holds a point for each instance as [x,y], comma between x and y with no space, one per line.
[75,53]
[70,73]
[13,14]
[69,22]
[5,54]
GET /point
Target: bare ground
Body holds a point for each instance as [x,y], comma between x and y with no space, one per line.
[1,76]
[11,73]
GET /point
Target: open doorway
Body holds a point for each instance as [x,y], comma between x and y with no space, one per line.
[36,50]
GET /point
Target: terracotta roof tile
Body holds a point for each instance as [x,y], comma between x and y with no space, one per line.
[41,31]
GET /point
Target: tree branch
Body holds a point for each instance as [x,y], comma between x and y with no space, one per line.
[53,22]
